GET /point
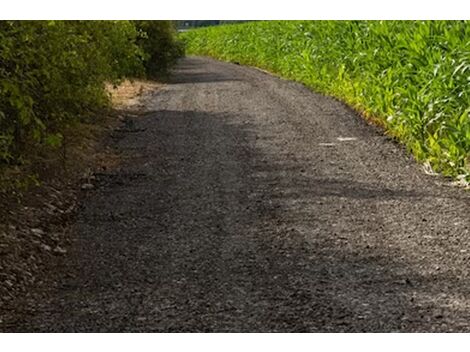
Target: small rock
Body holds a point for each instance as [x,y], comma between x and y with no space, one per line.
[60,250]
[404,281]
[87,186]
[46,247]
[38,232]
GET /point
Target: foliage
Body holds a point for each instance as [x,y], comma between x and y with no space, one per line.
[53,74]
[412,75]
[160,46]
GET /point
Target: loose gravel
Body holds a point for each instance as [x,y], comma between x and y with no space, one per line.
[247,203]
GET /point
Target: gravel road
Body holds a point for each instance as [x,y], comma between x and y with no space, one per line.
[247,203]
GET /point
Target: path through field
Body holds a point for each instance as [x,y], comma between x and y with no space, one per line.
[246,203]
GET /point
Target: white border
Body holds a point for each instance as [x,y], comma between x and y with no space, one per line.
[233,342]
[235,10]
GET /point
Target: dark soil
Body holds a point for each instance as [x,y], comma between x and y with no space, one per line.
[246,203]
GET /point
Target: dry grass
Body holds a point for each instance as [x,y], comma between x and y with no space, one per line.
[129,93]
[80,150]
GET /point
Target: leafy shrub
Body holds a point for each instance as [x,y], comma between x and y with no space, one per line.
[160,46]
[412,75]
[53,73]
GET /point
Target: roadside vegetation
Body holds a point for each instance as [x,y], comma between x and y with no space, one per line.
[412,77]
[54,74]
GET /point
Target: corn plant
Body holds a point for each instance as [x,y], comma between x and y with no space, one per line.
[413,76]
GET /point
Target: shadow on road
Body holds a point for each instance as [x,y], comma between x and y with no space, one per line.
[210,232]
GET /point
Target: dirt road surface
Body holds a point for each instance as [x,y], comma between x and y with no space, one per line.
[246,203]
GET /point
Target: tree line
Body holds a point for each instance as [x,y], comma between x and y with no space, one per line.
[186,24]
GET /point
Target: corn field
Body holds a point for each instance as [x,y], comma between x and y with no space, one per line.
[413,77]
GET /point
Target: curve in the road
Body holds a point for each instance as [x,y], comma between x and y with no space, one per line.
[248,203]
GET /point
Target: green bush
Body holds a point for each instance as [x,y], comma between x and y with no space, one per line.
[412,75]
[53,73]
[160,46]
